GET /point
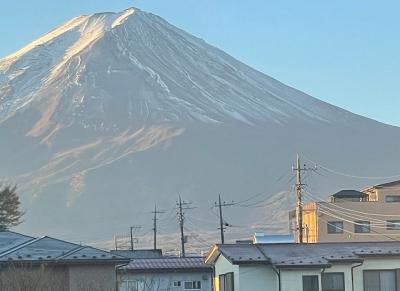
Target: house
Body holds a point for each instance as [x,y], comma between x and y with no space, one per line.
[166,273]
[48,264]
[354,266]
[352,216]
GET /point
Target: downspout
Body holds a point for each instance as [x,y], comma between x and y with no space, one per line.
[278,273]
[352,274]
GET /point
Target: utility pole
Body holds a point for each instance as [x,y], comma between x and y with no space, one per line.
[132,229]
[181,216]
[221,219]
[155,226]
[299,196]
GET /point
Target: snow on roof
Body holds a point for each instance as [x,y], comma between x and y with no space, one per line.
[303,255]
[20,248]
[168,263]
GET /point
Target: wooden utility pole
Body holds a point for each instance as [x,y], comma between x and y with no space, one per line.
[221,219]
[182,205]
[299,198]
[155,226]
[133,228]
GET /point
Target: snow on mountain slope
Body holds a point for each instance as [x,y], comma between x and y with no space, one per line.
[111,112]
[136,66]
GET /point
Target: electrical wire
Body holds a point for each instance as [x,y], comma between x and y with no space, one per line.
[349,175]
[319,199]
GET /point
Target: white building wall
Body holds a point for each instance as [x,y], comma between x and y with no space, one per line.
[164,281]
[257,278]
[223,266]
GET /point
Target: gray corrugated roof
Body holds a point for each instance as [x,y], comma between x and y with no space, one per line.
[297,255]
[389,184]
[50,250]
[168,263]
[10,239]
[349,194]
[138,254]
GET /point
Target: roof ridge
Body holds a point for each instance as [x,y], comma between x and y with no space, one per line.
[20,246]
[73,251]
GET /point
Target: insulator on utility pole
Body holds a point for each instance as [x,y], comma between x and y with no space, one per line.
[298,169]
[222,224]
[182,205]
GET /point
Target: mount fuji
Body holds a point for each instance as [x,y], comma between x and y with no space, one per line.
[112,112]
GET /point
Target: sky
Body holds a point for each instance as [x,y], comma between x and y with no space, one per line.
[345,52]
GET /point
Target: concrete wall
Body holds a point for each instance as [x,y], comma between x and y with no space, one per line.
[164,281]
[92,278]
[34,278]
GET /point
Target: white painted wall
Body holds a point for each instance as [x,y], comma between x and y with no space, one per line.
[257,278]
[164,281]
[263,278]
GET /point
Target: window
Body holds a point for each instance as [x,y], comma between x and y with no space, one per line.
[335,226]
[332,281]
[362,227]
[392,198]
[177,284]
[393,224]
[310,283]
[380,280]
[226,282]
[192,285]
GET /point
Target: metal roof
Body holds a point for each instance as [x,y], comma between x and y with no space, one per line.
[349,194]
[19,248]
[261,238]
[168,264]
[303,255]
[139,254]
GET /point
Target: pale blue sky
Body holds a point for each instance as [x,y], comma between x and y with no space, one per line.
[346,52]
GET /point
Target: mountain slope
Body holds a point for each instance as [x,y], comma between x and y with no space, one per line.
[111,112]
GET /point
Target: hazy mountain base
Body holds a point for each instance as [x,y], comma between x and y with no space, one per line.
[100,190]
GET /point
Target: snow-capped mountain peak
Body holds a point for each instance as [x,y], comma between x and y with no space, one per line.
[136,66]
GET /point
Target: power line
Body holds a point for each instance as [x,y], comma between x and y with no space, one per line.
[298,169]
[349,175]
[222,223]
[317,198]
[182,205]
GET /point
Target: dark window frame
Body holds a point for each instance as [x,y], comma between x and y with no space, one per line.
[395,271]
[333,273]
[223,280]
[395,200]
[393,224]
[331,226]
[309,277]
[360,225]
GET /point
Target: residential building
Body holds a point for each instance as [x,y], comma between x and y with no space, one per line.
[352,216]
[306,267]
[166,273]
[48,264]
